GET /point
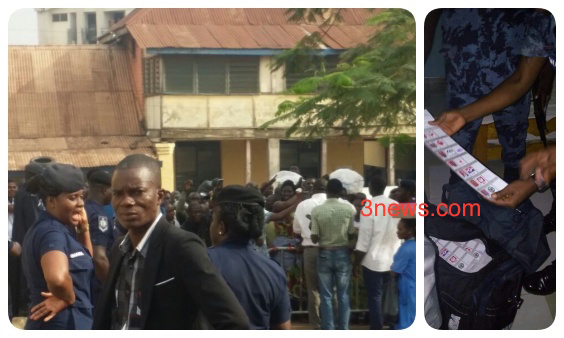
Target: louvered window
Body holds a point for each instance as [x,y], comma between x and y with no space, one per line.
[244,75]
[151,76]
[211,74]
[179,74]
[331,62]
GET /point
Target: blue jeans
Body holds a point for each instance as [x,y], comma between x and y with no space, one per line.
[373,281]
[334,266]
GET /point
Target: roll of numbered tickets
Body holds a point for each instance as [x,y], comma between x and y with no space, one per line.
[474,173]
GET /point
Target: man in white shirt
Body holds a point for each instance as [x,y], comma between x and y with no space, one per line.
[377,243]
[302,227]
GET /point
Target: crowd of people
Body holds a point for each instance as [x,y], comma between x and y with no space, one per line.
[115,251]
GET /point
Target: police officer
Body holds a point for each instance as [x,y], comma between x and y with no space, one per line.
[101,224]
[258,282]
[57,253]
[481,48]
[26,209]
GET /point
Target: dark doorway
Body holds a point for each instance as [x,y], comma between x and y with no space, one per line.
[196,160]
[306,155]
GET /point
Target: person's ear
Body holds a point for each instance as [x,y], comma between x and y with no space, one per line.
[50,202]
[222,229]
[160,196]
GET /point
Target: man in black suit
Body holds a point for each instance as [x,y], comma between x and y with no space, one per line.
[160,277]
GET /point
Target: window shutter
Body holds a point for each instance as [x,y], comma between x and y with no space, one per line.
[179,74]
[244,75]
[331,62]
[211,75]
[147,70]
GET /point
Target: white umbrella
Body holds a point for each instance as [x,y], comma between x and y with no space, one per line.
[285,175]
[352,181]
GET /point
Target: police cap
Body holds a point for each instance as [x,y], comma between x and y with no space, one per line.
[239,194]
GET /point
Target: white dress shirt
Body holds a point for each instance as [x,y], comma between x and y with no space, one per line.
[141,248]
[301,225]
[10,220]
[377,236]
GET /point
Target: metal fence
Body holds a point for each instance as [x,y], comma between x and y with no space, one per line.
[297,284]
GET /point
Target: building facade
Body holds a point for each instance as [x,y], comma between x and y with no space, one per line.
[204,80]
[76,26]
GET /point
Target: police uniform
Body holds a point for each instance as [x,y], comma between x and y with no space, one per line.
[481,49]
[48,234]
[540,40]
[101,233]
[258,282]
[101,225]
[101,221]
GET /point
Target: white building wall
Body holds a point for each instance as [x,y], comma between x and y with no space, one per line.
[271,81]
[56,33]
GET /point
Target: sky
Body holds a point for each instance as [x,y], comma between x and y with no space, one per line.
[22,27]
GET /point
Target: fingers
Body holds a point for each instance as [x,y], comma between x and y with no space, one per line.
[447,128]
[533,161]
[438,120]
[549,173]
[49,317]
[503,193]
[504,198]
[46,294]
[40,313]
[37,307]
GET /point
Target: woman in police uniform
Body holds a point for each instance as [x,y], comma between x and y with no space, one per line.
[258,282]
[57,253]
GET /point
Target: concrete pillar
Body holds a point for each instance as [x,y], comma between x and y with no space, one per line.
[324,157]
[273,156]
[391,165]
[248,161]
[165,154]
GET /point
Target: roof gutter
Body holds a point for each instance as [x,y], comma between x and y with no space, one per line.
[224,51]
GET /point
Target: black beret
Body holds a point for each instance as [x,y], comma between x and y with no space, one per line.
[34,168]
[100,177]
[64,177]
[239,194]
[408,185]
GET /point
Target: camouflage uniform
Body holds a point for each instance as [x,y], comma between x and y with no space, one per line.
[540,38]
[481,49]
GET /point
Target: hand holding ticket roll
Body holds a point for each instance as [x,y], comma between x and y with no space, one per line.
[450,122]
[474,173]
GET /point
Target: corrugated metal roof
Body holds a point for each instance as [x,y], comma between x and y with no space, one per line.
[93,151]
[72,103]
[243,37]
[70,91]
[78,143]
[237,28]
[81,158]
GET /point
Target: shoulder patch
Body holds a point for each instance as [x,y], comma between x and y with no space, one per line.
[103,223]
